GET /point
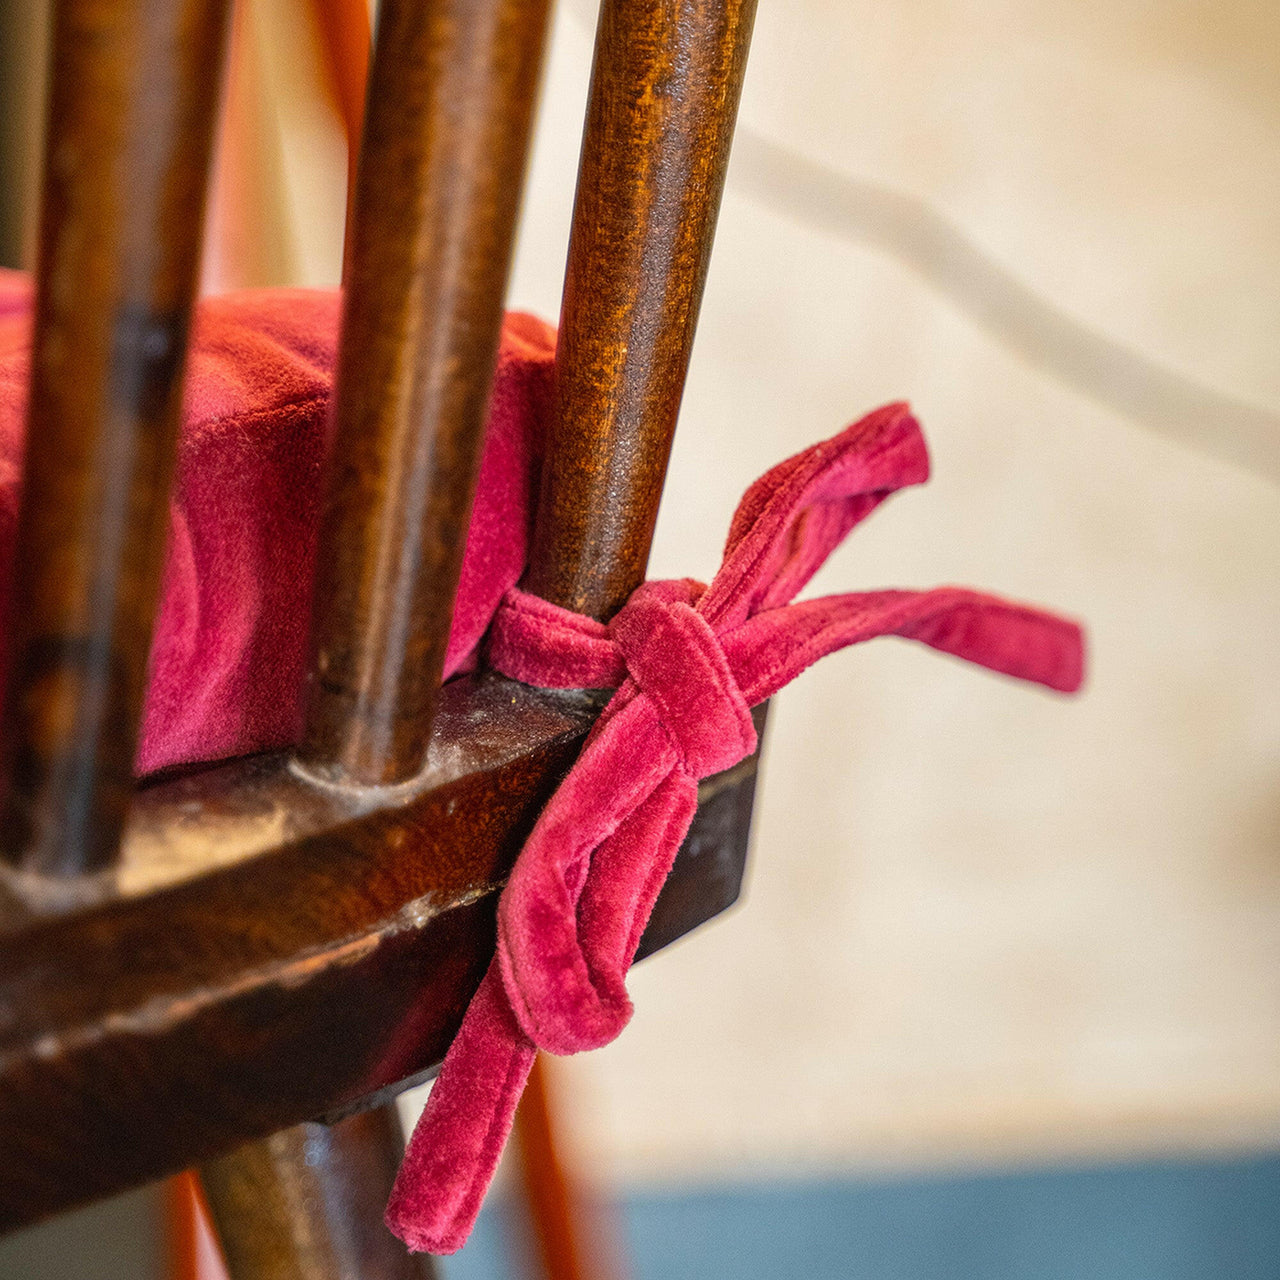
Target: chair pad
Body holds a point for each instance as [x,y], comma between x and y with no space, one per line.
[229,652]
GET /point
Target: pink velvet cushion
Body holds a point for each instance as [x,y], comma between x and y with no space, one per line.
[229,653]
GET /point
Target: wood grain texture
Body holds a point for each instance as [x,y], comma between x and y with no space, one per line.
[663,102]
[427,252]
[134,95]
[307,1204]
[275,944]
[271,951]
[446,135]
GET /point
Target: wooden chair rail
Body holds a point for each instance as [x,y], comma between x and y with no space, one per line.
[323,966]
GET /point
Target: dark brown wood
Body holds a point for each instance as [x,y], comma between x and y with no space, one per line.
[429,246]
[273,943]
[134,96]
[664,98]
[663,102]
[446,135]
[270,950]
[307,1204]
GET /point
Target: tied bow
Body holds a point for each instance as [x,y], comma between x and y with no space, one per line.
[688,663]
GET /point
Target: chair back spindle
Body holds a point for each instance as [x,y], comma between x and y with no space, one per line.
[654,154]
[442,165]
[664,95]
[441,170]
[133,98]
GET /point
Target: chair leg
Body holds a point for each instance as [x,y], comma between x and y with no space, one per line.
[183,1207]
[570,1233]
[307,1204]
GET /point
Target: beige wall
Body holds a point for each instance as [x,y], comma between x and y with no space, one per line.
[983,922]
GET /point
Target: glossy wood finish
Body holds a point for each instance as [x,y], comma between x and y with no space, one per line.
[446,135]
[428,248]
[307,1204]
[684,148]
[134,95]
[270,951]
[664,98]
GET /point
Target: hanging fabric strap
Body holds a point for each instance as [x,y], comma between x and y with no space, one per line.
[688,662]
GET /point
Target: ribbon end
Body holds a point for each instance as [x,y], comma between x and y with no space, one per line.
[451,1157]
[401,1221]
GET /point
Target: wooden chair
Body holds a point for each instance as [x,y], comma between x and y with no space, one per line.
[231,956]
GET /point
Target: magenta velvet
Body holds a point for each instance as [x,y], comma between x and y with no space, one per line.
[688,662]
[230,646]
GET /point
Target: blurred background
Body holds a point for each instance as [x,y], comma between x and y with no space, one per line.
[1002,999]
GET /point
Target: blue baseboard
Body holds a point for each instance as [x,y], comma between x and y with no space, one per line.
[1165,1220]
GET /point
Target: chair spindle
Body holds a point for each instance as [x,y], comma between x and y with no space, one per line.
[664,99]
[446,136]
[663,102]
[450,109]
[304,958]
[307,1204]
[133,101]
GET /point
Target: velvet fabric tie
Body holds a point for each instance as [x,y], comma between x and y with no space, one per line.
[688,662]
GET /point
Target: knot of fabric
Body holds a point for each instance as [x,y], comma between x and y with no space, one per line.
[687,663]
[678,663]
[569,922]
[659,640]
